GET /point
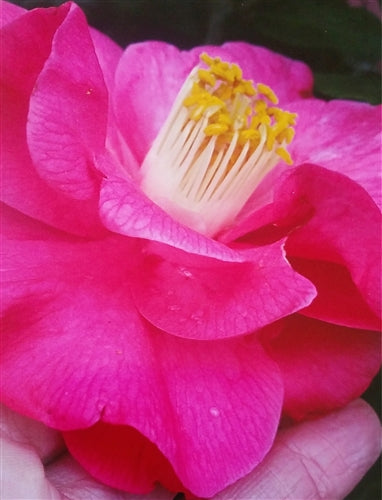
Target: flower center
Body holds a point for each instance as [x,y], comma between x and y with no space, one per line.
[222,136]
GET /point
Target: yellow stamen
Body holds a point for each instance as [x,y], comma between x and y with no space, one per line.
[215,129]
[267,92]
[223,135]
[284,154]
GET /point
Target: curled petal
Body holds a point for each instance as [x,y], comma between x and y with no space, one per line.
[68,111]
[124,209]
[202,298]
[338,300]
[9,12]
[324,366]
[72,338]
[30,36]
[343,136]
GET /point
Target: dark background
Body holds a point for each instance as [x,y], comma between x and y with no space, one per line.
[340,43]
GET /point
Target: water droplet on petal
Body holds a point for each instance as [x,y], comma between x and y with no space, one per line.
[215,412]
[196,317]
[185,272]
[173,307]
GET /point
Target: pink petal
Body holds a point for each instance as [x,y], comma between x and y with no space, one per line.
[124,209]
[344,229]
[150,75]
[338,300]
[108,56]
[324,366]
[202,298]
[122,458]
[30,37]
[148,78]
[68,111]
[76,345]
[9,12]
[215,404]
[344,136]
[238,293]
[326,217]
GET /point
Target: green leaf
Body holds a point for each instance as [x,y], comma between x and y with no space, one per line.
[330,27]
[365,87]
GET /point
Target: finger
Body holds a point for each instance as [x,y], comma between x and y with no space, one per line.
[74,483]
[22,473]
[324,458]
[47,442]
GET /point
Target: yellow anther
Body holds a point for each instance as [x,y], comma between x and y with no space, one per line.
[224,92]
[233,105]
[244,87]
[249,89]
[267,92]
[216,129]
[265,119]
[286,135]
[276,112]
[236,70]
[222,136]
[223,71]
[260,106]
[255,122]
[224,118]
[290,117]
[270,142]
[283,153]
[206,77]
[206,58]
[289,134]
[250,135]
[197,114]
[279,127]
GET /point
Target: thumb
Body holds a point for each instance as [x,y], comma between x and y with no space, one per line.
[323,458]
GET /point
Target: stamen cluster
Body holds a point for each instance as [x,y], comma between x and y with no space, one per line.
[235,105]
[222,136]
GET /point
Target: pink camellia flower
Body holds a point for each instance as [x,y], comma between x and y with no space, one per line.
[172,286]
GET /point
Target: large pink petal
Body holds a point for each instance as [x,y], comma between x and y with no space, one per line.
[345,227]
[75,344]
[68,112]
[30,37]
[325,216]
[150,74]
[343,136]
[203,298]
[324,366]
[219,403]
[338,299]
[148,78]
[9,12]
[124,209]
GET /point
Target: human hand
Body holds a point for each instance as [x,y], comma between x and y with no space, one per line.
[324,458]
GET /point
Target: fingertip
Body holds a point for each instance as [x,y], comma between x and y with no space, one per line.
[322,458]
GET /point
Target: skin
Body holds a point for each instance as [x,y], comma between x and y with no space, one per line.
[320,459]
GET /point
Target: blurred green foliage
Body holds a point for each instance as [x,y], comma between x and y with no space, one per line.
[340,43]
